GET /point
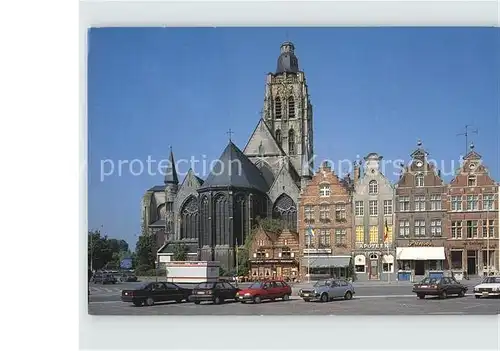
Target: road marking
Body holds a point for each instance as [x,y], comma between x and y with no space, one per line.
[104,302]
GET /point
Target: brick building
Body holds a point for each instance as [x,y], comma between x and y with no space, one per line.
[325,209]
[274,255]
[420,218]
[473,219]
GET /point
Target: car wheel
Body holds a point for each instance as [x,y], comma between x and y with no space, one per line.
[307,300]
[324,297]
[444,294]
[178,300]
[150,301]
[462,293]
[421,296]
[217,300]
[257,299]
[137,303]
[286,297]
[348,295]
[197,302]
[478,297]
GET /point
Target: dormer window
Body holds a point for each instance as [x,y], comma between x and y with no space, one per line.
[261,254]
[373,187]
[471,181]
[324,190]
[419,180]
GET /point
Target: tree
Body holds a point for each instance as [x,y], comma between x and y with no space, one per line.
[98,251]
[145,255]
[180,252]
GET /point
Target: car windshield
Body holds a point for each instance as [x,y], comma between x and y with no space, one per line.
[143,286]
[430,281]
[256,285]
[205,286]
[491,280]
[322,283]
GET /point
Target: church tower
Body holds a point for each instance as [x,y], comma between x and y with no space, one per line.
[171,188]
[288,111]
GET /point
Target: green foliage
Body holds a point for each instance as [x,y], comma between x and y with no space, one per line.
[180,252]
[105,253]
[271,225]
[144,251]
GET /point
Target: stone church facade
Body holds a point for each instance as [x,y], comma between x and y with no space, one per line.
[264,179]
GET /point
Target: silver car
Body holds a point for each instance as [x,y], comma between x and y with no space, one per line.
[327,290]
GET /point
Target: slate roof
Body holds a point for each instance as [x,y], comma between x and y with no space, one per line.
[287,61]
[157,188]
[234,169]
[171,172]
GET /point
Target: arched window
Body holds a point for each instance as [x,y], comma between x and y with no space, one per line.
[291,107]
[278,136]
[189,219]
[291,142]
[419,180]
[221,225]
[277,108]
[285,209]
[205,222]
[373,187]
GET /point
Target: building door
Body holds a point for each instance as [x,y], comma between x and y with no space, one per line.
[419,267]
[471,262]
[373,266]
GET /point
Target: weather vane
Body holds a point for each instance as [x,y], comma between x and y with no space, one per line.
[466,134]
[230,132]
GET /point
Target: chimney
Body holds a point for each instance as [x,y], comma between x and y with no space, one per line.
[357,172]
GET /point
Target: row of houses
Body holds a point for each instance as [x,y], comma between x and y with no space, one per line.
[365,226]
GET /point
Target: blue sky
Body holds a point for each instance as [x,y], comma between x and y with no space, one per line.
[373,90]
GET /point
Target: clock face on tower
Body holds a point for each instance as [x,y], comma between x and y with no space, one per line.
[419,163]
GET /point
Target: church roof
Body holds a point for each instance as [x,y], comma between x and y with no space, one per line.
[157,188]
[287,61]
[234,169]
[171,172]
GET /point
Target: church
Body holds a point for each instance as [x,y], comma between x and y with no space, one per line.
[212,216]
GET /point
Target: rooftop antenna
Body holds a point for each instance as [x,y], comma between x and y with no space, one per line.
[466,134]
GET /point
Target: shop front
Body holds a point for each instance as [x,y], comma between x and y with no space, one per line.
[420,259]
[374,262]
[326,266]
[473,257]
[286,269]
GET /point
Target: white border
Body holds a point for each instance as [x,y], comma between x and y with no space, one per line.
[440,332]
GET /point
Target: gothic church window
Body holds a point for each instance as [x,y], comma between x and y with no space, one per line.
[291,107]
[221,225]
[286,210]
[291,142]
[278,136]
[277,108]
[205,222]
[189,219]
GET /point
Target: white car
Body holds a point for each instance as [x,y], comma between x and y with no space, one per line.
[490,286]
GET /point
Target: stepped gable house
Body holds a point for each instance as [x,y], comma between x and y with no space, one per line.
[473,219]
[210,216]
[420,218]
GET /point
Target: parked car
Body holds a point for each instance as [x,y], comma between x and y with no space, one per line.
[442,287]
[126,277]
[265,290]
[327,290]
[217,292]
[104,278]
[489,287]
[150,293]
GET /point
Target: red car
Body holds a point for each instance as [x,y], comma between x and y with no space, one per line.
[266,290]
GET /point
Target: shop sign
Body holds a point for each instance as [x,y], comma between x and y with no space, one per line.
[272,261]
[373,246]
[420,243]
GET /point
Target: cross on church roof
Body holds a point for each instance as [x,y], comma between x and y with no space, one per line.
[229,133]
[261,113]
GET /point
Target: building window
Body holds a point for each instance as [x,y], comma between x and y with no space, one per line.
[340,212]
[278,136]
[387,267]
[471,229]
[260,254]
[456,203]
[324,213]
[419,227]
[291,142]
[456,229]
[359,209]
[324,190]
[277,108]
[456,259]
[472,202]
[373,207]
[373,187]
[488,202]
[360,234]
[419,180]
[286,253]
[488,228]
[291,107]
[471,180]
[324,238]
[491,256]
[373,234]
[404,203]
[404,228]
[387,207]
[340,236]
[435,202]
[404,265]
[436,227]
[309,213]
[420,203]
[389,233]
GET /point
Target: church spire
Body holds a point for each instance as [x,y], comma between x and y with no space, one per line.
[171,172]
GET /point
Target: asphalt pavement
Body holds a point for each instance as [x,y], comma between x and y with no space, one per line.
[371,298]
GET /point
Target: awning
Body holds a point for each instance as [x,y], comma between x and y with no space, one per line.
[360,260]
[388,259]
[326,261]
[420,253]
